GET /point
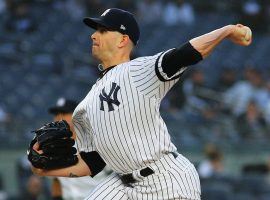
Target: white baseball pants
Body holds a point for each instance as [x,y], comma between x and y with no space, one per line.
[174,178]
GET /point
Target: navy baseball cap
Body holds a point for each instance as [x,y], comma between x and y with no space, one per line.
[117,20]
[63,106]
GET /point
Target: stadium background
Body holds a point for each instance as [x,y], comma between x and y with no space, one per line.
[44,54]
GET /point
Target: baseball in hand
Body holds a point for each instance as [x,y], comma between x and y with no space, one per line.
[248,35]
[241,35]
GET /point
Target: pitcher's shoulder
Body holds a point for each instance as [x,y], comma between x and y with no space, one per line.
[80,109]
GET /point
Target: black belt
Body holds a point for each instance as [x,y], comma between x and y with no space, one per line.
[128,178]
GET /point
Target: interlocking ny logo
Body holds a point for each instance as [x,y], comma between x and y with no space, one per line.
[107,97]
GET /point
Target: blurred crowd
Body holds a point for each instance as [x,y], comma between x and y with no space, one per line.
[19,14]
[235,107]
[28,185]
[252,182]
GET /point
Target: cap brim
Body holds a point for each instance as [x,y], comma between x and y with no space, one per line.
[94,22]
[57,110]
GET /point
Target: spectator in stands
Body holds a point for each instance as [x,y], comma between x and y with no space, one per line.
[212,165]
[251,124]
[240,94]
[34,188]
[5,119]
[75,8]
[226,80]
[266,110]
[4,116]
[261,95]
[174,101]
[266,5]
[257,168]
[19,17]
[128,5]
[2,7]
[93,7]
[177,12]
[23,173]
[3,194]
[149,11]
[254,14]
[30,187]
[199,105]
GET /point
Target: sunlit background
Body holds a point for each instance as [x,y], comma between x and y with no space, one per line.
[218,115]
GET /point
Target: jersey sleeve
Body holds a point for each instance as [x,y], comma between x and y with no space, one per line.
[149,78]
[84,136]
[159,69]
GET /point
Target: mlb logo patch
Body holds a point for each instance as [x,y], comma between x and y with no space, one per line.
[122,27]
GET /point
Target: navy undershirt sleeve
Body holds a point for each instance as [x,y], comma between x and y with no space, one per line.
[93,160]
[180,57]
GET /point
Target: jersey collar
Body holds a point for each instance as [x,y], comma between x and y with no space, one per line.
[103,72]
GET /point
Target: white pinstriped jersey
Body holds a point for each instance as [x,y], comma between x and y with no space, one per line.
[120,119]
